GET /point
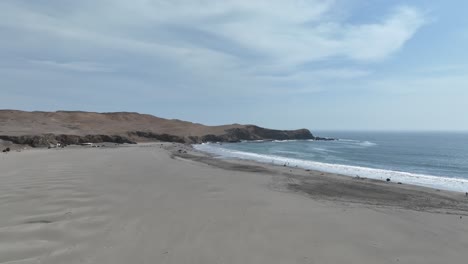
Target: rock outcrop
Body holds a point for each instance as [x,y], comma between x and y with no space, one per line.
[51,139]
[156,137]
[257,133]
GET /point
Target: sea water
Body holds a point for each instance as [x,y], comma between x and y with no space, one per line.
[438,160]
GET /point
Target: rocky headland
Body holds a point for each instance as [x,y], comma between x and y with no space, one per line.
[42,129]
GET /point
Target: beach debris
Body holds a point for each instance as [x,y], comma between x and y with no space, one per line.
[466,194]
[6,150]
[399,183]
[388,180]
[307,170]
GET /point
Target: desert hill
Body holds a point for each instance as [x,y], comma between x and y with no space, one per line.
[71,127]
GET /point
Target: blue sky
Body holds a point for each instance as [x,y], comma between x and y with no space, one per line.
[323,65]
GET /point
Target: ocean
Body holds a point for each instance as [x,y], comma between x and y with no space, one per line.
[431,159]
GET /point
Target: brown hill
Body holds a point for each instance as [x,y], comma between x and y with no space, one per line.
[71,127]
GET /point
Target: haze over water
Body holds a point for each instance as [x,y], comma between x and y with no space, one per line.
[433,159]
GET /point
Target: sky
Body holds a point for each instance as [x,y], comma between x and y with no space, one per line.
[317,64]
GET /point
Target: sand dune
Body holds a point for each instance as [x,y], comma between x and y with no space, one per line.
[139,205]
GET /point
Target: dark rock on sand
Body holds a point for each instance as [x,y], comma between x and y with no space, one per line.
[51,139]
[158,137]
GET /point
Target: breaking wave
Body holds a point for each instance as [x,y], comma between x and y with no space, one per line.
[453,184]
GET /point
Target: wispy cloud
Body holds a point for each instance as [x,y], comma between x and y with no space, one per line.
[196,50]
[378,41]
[79,66]
[278,32]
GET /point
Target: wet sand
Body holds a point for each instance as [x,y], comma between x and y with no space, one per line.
[153,204]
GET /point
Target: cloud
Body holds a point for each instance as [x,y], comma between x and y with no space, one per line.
[79,66]
[216,48]
[378,41]
[288,32]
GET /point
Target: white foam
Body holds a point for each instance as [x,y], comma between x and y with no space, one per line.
[285,140]
[347,140]
[453,184]
[325,150]
[360,143]
[367,144]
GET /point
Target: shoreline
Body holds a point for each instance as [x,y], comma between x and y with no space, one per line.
[424,180]
[207,154]
[168,203]
[316,184]
[336,187]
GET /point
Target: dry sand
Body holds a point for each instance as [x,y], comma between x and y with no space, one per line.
[139,204]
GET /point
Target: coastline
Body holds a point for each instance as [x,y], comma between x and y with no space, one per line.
[340,188]
[455,184]
[153,202]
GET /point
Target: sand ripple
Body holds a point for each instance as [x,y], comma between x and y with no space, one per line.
[47,215]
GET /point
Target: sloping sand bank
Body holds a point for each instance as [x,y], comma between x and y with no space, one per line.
[139,204]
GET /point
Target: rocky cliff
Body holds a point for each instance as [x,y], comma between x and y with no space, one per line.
[39,129]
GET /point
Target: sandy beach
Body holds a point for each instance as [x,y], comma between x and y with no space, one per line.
[151,203]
